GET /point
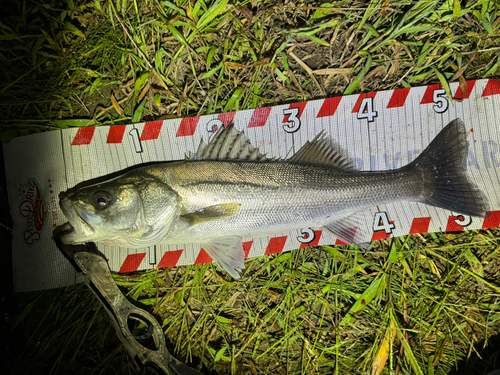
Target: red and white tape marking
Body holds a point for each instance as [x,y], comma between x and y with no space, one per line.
[366,107]
[260,116]
[380,130]
[292,116]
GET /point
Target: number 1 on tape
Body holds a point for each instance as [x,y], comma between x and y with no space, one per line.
[134,133]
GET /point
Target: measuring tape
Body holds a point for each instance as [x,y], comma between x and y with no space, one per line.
[379,130]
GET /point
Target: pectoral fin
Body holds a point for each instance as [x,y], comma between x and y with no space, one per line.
[228,253]
[211,213]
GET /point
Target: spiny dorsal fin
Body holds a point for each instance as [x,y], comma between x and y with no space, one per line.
[228,144]
[323,150]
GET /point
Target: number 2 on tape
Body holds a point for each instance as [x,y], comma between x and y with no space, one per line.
[381,222]
[366,110]
[214,125]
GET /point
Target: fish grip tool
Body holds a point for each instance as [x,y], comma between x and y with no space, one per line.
[148,350]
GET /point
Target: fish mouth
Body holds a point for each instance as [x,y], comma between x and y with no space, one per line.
[79,228]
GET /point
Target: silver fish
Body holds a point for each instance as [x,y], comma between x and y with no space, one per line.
[228,190]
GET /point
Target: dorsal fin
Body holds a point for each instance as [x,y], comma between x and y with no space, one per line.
[323,150]
[228,144]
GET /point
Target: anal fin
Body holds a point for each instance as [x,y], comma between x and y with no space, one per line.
[348,230]
[228,253]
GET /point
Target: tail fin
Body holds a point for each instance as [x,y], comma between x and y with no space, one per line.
[443,166]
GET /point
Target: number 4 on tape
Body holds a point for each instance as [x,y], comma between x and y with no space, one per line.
[382,222]
[366,110]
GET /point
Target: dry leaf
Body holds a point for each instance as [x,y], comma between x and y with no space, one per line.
[116,105]
[332,71]
[233,65]
[384,7]
[384,350]
[144,92]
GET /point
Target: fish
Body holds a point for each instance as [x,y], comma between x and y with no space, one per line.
[228,190]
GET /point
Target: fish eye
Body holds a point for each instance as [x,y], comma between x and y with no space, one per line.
[101,199]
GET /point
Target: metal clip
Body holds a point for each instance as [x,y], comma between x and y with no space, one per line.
[147,350]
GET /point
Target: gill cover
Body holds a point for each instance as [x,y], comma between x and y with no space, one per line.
[136,209]
[161,207]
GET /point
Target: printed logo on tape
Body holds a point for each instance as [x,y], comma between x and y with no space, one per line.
[35,210]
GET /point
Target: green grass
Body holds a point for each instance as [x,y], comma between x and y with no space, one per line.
[315,311]
[418,304]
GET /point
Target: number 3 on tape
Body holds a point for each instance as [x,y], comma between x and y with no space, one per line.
[293,123]
[381,222]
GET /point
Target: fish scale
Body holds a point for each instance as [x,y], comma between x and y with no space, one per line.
[279,196]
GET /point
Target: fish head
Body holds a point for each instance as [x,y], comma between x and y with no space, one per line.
[135,210]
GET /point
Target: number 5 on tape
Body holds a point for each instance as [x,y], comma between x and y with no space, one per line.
[440,102]
[462,220]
